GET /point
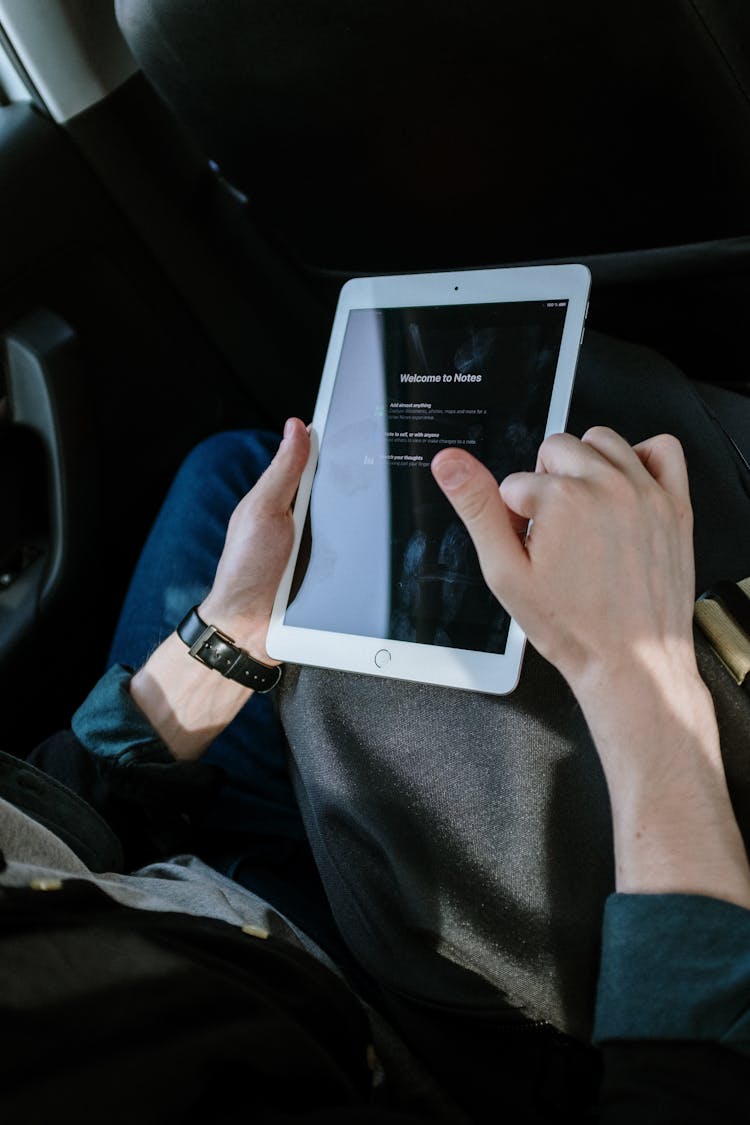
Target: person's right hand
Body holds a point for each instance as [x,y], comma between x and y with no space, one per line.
[605,577]
[603,586]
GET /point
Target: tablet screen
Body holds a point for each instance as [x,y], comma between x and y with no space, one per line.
[383,554]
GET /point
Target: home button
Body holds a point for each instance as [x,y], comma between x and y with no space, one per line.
[382,657]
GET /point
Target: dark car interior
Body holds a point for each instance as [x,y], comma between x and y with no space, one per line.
[172,253]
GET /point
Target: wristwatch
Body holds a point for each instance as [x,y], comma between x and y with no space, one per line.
[218,651]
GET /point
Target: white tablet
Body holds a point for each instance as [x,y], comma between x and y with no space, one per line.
[383,578]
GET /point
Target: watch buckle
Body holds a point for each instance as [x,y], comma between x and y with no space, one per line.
[208,633]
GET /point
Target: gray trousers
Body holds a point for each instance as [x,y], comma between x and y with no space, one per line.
[464,839]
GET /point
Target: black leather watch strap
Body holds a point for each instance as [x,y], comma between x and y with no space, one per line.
[218,651]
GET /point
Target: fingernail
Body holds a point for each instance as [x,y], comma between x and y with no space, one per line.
[451,473]
[288,427]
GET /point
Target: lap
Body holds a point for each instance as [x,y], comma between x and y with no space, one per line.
[465,840]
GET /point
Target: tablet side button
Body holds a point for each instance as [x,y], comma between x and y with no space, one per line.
[382,657]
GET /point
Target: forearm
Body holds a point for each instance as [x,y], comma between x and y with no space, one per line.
[674,827]
[187,704]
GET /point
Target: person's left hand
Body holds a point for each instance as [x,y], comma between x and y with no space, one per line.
[256,550]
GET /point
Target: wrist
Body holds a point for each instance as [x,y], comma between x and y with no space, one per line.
[677,834]
[187,703]
[649,730]
[218,651]
[636,704]
[666,668]
[248,631]
[655,729]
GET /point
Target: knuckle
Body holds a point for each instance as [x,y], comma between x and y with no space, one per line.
[553,442]
[670,447]
[496,579]
[681,511]
[568,491]
[627,495]
[594,433]
[475,506]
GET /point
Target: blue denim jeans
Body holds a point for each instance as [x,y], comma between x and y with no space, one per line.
[253,833]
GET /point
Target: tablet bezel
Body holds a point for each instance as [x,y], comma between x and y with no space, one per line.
[496,673]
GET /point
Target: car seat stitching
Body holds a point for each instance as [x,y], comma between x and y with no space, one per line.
[720,425]
[714,37]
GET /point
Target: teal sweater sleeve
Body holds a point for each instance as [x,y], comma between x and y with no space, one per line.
[109,724]
[674,967]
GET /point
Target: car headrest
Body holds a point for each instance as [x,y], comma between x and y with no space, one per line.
[435,134]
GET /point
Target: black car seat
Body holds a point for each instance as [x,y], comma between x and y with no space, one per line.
[389,137]
[393,136]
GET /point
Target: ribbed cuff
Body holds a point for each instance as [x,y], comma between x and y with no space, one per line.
[110,724]
[674,967]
